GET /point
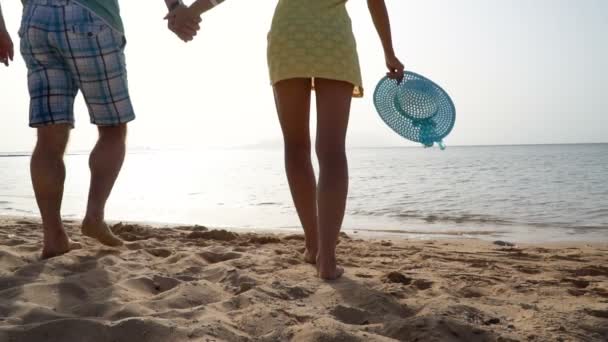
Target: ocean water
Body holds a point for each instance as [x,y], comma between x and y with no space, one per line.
[530,193]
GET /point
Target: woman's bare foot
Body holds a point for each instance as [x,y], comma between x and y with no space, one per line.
[327,268]
[101,232]
[56,244]
[310,256]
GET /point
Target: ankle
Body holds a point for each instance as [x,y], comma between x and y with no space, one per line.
[54,235]
[326,257]
[53,227]
[93,218]
[312,248]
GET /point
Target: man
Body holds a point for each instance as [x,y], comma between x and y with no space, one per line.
[70,46]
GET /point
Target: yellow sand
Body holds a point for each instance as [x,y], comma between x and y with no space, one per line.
[190,284]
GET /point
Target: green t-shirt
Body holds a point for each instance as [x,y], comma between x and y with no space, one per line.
[107,10]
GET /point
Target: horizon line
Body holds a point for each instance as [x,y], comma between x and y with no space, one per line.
[262,146]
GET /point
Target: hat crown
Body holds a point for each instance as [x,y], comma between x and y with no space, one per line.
[416,108]
[416,100]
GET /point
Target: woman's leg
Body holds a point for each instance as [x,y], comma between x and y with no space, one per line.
[292,99]
[333,109]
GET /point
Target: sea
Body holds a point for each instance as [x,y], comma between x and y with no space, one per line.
[524,193]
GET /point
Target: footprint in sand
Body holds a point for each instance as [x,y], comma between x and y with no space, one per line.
[576,292]
[237,282]
[264,240]
[397,278]
[218,235]
[578,283]
[14,241]
[597,313]
[216,255]
[591,271]
[150,286]
[26,223]
[423,284]
[600,292]
[350,315]
[294,237]
[159,252]
[292,292]
[570,257]
[10,261]
[527,270]
[470,292]
[363,275]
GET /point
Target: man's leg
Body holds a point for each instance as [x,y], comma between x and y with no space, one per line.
[48,175]
[99,67]
[105,163]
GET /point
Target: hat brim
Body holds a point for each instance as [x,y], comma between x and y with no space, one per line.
[443,122]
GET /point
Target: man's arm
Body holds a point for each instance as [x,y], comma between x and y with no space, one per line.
[6,44]
[173,4]
[379,13]
[201,6]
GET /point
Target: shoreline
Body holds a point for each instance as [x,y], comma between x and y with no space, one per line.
[528,235]
[191,283]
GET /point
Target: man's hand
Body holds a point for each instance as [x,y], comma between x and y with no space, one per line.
[6,47]
[184,22]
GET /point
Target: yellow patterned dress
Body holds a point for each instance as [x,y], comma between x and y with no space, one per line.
[313,38]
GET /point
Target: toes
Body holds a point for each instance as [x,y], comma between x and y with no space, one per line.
[336,273]
[48,253]
[101,233]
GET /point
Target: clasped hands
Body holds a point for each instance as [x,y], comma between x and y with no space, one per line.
[184,22]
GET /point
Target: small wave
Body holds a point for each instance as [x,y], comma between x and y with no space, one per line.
[598,213]
[434,232]
[14,155]
[587,229]
[267,203]
[435,218]
[9,209]
[466,219]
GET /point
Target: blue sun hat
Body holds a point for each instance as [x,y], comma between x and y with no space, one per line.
[416,108]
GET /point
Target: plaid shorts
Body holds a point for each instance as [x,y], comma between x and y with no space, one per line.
[68,48]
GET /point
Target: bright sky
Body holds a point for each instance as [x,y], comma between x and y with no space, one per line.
[519,71]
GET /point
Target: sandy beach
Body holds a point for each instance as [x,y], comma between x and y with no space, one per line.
[198,284]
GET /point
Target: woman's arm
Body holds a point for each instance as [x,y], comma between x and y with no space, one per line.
[2,27]
[379,13]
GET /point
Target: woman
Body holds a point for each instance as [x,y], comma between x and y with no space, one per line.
[311,46]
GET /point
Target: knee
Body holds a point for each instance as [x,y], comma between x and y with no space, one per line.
[113,133]
[52,140]
[298,149]
[330,153]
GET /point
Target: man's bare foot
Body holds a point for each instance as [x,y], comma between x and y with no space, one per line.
[101,232]
[327,268]
[56,244]
[310,256]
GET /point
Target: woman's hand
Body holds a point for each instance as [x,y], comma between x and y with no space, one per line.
[184,22]
[395,67]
